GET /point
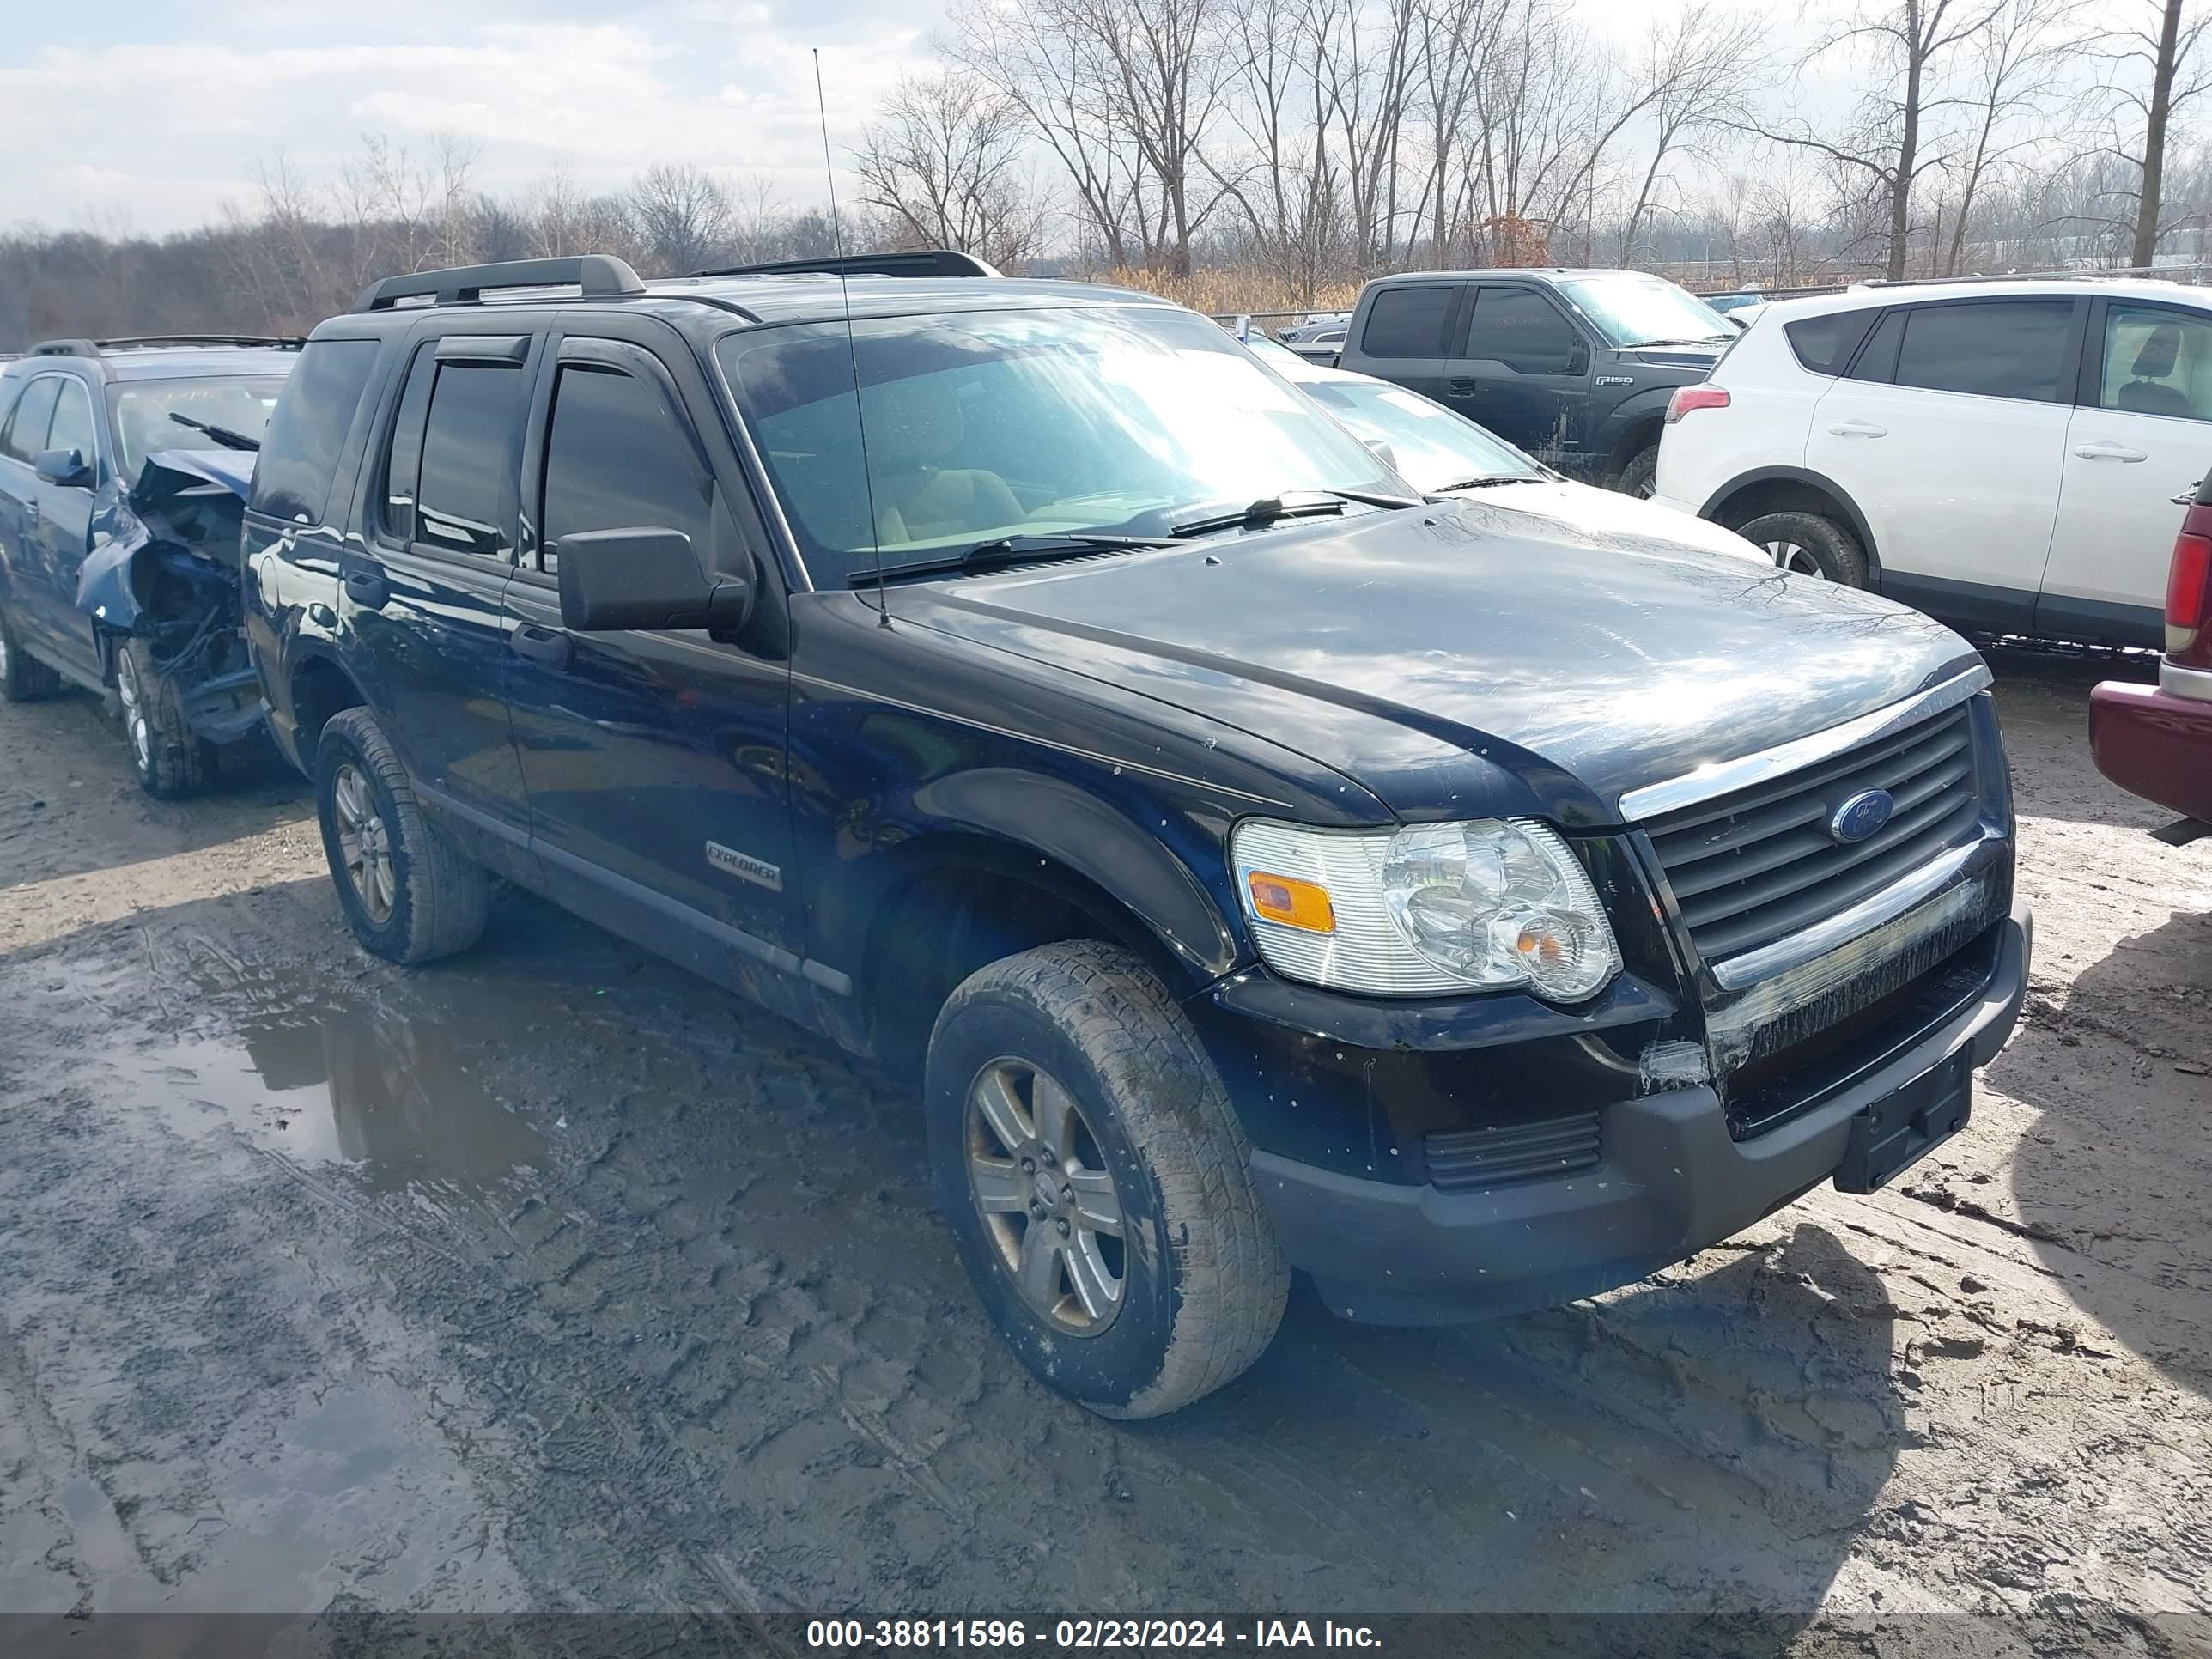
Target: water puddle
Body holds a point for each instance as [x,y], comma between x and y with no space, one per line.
[353,1084]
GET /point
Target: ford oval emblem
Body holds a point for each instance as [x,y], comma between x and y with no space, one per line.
[1861,816]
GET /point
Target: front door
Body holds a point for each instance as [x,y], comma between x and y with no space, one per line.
[64,525]
[420,596]
[1519,371]
[1949,434]
[655,759]
[23,543]
[2140,435]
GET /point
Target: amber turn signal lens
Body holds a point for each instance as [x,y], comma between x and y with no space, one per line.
[1293,903]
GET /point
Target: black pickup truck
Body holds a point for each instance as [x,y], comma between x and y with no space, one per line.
[1258,867]
[1576,366]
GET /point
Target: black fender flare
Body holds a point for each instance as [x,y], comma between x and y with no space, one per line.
[1812,480]
[1625,422]
[1052,835]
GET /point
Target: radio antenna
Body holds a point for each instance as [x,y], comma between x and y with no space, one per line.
[852,351]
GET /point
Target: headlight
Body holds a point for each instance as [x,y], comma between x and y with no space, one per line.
[1426,910]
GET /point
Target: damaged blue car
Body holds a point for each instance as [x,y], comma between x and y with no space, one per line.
[124,470]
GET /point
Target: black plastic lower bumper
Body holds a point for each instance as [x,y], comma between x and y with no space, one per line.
[1671,1182]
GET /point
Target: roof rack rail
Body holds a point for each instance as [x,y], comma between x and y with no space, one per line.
[600,275]
[932,262]
[282,342]
[64,348]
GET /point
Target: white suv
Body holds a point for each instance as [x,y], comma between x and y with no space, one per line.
[2005,456]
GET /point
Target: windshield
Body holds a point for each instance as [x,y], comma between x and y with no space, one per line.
[1631,311]
[1435,449]
[989,425]
[143,427]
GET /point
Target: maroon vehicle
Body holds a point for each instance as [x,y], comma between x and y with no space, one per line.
[2155,741]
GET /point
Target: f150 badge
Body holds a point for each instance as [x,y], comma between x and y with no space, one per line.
[1616,379]
[744,866]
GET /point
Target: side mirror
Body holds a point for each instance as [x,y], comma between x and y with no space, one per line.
[64,467]
[645,577]
[1384,452]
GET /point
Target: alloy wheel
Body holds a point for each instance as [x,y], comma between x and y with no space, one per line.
[132,696]
[1049,1208]
[1796,558]
[364,843]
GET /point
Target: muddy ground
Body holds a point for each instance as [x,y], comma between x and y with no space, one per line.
[551,1278]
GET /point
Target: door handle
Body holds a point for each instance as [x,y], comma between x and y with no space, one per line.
[541,645]
[2104,451]
[1859,429]
[368,589]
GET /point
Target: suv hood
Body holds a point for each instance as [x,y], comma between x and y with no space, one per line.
[1414,650]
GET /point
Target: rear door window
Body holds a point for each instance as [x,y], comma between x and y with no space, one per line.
[618,456]
[1407,322]
[27,428]
[1992,349]
[305,434]
[454,448]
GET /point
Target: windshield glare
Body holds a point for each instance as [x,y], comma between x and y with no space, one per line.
[143,426]
[994,424]
[1631,311]
[1433,447]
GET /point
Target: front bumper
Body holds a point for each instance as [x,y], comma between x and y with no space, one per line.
[2155,744]
[1671,1181]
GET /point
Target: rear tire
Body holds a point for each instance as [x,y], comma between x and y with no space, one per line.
[1075,1057]
[23,677]
[410,894]
[171,762]
[1638,473]
[1808,545]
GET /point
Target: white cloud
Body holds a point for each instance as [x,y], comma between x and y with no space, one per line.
[176,129]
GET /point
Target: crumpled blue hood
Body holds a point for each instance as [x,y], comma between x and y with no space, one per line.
[172,480]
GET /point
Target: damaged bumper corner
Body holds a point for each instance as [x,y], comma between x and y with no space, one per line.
[1673,1178]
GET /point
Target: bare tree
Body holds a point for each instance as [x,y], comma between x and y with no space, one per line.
[2157,46]
[2018,61]
[1699,68]
[944,160]
[1889,149]
[682,217]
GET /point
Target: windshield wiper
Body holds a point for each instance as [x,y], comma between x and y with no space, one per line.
[1291,504]
[1004,550]
[221,434]
[1488,479]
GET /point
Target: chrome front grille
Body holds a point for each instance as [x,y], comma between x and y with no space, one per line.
[1758,864]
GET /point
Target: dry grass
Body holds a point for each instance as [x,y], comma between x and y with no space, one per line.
[1219,292]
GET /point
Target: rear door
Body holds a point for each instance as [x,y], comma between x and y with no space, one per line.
[22,545]
[654,760]
[64,523]
[1403,337]
[2140,434]
[1949,431]
[1519,369]
[420,595]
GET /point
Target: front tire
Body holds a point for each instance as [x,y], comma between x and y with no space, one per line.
[410,894]
[171,762]
[1808,545]
[1098,1182]
[23,677]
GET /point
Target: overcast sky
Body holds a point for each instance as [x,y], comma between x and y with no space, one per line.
[147,116]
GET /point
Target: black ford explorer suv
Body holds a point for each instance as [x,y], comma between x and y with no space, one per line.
[1260,869]
[1575,366]
[118,568]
